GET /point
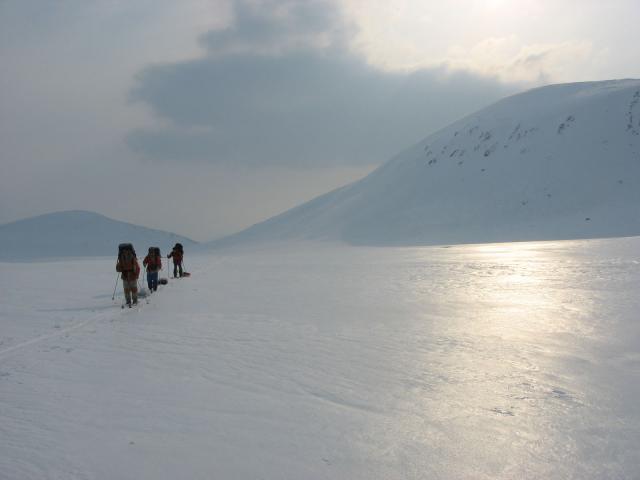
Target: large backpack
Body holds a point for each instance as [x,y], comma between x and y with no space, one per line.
[126,257]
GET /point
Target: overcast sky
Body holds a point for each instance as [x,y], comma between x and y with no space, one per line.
[205,116]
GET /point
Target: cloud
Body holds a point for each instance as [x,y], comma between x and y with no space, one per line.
[510,60]
[281,87]
[273,26]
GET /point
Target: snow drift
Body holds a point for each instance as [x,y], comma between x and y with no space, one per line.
[77,234]
[558,162]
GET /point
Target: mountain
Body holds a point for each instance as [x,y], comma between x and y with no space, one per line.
[557,162]
[77,234]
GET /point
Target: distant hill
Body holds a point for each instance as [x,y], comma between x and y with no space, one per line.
[557,162]
[78,234]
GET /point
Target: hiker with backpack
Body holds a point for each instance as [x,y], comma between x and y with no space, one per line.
[177,254]
[129,268]
[153,264]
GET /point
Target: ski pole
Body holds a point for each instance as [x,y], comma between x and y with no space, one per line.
[116,286]
[146,297]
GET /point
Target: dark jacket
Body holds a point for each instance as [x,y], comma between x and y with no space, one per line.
[176,255]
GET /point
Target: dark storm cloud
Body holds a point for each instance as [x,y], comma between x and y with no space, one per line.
[279,24]
[281,87]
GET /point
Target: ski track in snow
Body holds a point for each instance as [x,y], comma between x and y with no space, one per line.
[62,332]
[485,361]
[65,331]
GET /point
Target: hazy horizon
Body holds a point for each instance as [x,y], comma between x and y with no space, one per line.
[148,111]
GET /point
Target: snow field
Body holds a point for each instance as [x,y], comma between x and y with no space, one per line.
[480,361]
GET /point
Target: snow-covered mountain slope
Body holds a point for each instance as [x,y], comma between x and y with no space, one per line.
[556,162]
[77,234]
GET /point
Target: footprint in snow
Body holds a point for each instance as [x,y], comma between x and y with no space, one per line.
[502,411]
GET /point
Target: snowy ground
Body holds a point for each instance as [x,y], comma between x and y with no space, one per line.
[494,361]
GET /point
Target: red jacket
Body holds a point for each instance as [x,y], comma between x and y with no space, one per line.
[153,263]
[131,273]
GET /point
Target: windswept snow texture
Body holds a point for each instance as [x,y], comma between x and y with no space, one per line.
[559,162]
[77,234]
[497,361]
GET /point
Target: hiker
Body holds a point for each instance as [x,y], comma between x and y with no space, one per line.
[153,263]
[177,254]
[128,265]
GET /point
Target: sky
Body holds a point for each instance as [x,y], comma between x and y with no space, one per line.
[203,117]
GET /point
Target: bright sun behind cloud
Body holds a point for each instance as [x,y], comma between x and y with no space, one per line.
[525,41]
